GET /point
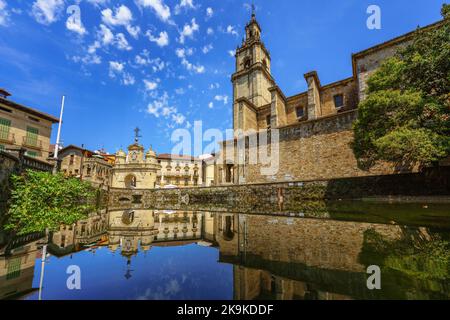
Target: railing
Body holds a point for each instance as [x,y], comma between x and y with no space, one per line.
[7,137]
[31,163]
[32,143]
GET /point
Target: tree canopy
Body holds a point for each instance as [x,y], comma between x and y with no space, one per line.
[40,201]
[406,115]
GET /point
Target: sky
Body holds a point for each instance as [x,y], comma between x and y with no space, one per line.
[162,65]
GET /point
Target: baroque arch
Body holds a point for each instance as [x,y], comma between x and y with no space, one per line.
[130,181]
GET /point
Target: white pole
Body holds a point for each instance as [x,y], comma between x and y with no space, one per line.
[41,281]
[59,128]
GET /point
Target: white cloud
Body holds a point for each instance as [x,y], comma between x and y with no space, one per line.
[161,41]
[209,12]
[88,59]
[105,37]
[189,30]
[191,67]
[232,30]
[210,31]
[160,107]
[223,98]
[116,67]
[182,53]
[128,79]
[211,105]
[134,31]
[232,53]
[4,14]
[161,9]
[105,34]
[207,48]
[213,86]
[122,43]
[178,118]
[121,16]
[150,85]
[184,4]
[47,11]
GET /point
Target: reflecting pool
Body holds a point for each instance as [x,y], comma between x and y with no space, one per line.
[190,255]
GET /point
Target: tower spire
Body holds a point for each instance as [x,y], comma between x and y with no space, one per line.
[253,10]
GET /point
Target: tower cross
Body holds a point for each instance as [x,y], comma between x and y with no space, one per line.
[136,134]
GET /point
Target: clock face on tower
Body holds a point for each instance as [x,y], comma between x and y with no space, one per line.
[134,156]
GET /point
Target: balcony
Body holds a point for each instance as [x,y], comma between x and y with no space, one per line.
[32,143]
[7,138]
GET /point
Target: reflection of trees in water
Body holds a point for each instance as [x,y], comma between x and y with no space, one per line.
[417,266]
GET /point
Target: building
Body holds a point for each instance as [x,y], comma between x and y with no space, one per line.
[179,170]
[209,170]
[314,127]
[86,165]
[135,169]
[24,127]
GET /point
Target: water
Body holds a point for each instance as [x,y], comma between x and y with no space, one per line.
[185,255]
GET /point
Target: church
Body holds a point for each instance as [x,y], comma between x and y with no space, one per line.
[136,169]
[314,127]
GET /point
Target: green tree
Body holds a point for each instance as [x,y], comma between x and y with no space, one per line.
[40,200]
[406,115]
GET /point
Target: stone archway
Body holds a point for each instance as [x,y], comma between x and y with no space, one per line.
[130,181]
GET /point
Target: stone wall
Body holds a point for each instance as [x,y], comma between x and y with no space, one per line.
[316,149]
[288,196]
[8,165]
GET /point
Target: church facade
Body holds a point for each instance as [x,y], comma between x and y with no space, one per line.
[136,169]
[314,127]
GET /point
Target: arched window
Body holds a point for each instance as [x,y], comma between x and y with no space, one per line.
[130,181]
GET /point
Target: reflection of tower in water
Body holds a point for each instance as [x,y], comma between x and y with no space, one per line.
[131,231]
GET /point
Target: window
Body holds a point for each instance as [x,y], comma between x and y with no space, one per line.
[300,112]
[186,181]
[5,124]
[339,101]
[71,159]
[32,154]
[32,136]
[268,117]
[247,63]
[13,271]
[2,147]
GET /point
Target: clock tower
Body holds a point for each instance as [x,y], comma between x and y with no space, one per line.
[252,79]
[137,169]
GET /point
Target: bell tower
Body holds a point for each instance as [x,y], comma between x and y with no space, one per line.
[252,78]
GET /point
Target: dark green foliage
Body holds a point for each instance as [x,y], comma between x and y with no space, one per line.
[406,116]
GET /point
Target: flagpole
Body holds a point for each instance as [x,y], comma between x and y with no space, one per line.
[59,128]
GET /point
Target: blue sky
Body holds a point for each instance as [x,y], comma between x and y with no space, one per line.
[163,64]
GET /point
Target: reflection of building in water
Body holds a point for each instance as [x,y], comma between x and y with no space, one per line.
[130,229]
[17,270]
[293,258]
[86,231]
[178,226]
